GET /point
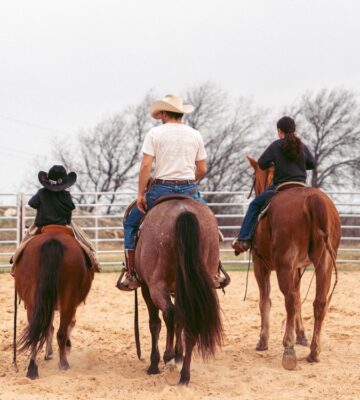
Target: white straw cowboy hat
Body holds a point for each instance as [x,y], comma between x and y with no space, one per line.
[170,103]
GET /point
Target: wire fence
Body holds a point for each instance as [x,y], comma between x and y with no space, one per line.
[101,217]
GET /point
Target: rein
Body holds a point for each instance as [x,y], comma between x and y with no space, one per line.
[247,275]
[14,336]
[136,326]
[252,187]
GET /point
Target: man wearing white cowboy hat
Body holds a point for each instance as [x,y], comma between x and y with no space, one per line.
[179,155]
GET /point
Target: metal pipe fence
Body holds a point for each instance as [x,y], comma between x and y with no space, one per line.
[102,220]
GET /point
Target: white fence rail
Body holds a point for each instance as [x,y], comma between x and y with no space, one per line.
[101,214]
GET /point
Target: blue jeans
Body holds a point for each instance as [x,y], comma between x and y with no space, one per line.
[248,226]
[132,221]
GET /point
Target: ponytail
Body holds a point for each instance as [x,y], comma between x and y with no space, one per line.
[292,145]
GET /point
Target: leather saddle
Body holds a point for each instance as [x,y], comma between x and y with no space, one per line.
[279,188]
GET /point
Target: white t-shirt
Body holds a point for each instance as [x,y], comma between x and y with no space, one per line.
[175,147]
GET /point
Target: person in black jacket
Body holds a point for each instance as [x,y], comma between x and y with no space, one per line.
[53,203]
[291,158]
[54,206]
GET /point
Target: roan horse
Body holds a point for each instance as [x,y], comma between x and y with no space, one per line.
[301,226]
[51,274]
[178,254]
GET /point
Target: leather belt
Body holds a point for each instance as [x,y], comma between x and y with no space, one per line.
[173,182]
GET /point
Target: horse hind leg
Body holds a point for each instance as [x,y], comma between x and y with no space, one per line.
[299,327]
[155,327]
[323,282]
[66,317]
[48,345]
[179,347]
[70,328]
[168,316]
[185,371]
[32,372]
[263,279]
[286,284]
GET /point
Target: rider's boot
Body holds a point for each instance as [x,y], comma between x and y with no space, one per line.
[240,246]
[130,282]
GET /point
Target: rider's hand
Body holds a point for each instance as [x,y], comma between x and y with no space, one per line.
[141,203]
[235,245]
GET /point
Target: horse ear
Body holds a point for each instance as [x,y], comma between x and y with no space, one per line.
[252,162]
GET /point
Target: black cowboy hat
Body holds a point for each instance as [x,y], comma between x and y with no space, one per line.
[57,179]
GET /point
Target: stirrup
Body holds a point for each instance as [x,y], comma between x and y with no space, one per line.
[222,279]
[129,283]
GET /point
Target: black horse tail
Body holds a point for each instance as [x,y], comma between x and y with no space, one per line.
[197,309]
[51,258]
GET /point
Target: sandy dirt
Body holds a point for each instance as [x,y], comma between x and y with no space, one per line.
[104,364]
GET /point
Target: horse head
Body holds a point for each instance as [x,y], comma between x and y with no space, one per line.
[262,178]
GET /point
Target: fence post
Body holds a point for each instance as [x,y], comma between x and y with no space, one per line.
[20,217]
[96,224]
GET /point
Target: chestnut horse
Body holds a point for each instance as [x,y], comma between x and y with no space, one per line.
[301,226]
[178,254]
[50,275]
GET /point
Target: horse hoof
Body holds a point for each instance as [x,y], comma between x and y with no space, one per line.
[179,358]
[153,370]
[301,339]
[32,372]
[261,346]
[171,374]
[64,366]
[312,359]
[32,376]
[48,357]
[168,357]
[289,360]
[184,379]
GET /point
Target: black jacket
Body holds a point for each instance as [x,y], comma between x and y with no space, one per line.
[52,207]
[285,169]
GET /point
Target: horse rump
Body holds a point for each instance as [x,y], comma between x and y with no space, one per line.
[197,309]
[325,224]
[46,293]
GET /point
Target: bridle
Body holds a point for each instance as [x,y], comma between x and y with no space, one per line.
[252,186]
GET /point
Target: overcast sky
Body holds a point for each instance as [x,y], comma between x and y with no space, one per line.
[67,64]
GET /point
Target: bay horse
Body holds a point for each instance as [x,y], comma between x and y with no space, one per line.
[178,254]
[51,274]
[300,227]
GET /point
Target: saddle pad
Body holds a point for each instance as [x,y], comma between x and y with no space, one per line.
[57,229]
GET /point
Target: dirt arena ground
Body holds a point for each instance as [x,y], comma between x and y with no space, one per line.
[104,363]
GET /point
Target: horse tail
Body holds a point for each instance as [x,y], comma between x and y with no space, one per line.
[197,309]
[326,224]
[51,258]
[323,222]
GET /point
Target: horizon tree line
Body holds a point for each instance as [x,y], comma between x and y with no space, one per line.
[107,156]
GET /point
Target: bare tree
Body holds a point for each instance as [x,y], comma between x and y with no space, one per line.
[107,156]
[329,122]
[231,130]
